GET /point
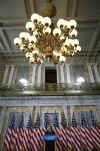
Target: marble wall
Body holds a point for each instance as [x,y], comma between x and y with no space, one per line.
[35,74]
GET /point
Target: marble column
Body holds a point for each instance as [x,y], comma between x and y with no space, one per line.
[58,75]
[91,73]
[62,73]
[5,74]
[39,75]
[42,74]
[68,79]
[15,76]
[96,73]
[33,74]
[11,75]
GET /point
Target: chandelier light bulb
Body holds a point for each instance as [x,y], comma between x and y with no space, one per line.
[60,23]
[35,33]
[47,21]
[62,59]
[55,52]
[76,42]
[47,30]
[17,41]
[73,23]
[22,47]
[35,52]
[35,18]
[66,24]
[59,54]
[68,42]
[62,37]
[32,39]
[31,59]
[73,33]
[30,26]
[78,48]
[24,35]
[41,20]
[56,32]
[27,54]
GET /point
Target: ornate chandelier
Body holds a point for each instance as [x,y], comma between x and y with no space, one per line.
[45,42]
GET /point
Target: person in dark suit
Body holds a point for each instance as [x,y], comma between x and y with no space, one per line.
[50,145]
[49,130]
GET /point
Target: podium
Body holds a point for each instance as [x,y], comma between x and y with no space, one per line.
[50,142]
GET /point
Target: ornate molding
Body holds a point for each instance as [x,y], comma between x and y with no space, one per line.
[49,100]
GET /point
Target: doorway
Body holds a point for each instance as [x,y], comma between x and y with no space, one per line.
[50,75]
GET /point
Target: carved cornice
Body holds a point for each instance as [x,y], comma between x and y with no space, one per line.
[49,100]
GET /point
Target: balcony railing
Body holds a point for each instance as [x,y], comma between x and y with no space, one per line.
[52,89]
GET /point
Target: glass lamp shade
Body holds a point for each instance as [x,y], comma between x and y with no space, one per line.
[56,31]
[17,41]
[73,23]
[35,17]
[47,21]
[30,26]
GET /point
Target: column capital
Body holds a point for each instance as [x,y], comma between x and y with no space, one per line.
[6,65]
[62,65]
[12,65]
[96,73]
[91,73]
[5,73]
[90,64]
[68,64]
[11,75]
[95,65]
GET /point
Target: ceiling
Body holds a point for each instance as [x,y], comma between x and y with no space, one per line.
[15,13]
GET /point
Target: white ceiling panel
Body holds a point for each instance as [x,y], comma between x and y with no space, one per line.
[12,8]
[89,8]
[85,36]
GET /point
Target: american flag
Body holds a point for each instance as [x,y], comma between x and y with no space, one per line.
[22,134]
[75,135]
[37,123]
[57,131]
[82,130]
[32,142]
[95,132]
[63,120]
[7,139]
[64,139]
[88,131]
[39,132]
[68,137]
[36,133]
[20,138]
[11,138]
[56,122]
[63,132]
